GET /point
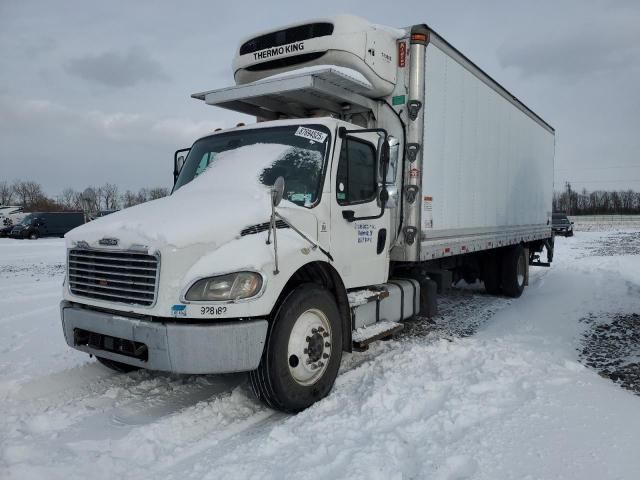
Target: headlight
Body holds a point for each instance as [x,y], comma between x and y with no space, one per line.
[233,286]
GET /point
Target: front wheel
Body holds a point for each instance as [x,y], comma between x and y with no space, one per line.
[303,350]
[33,236]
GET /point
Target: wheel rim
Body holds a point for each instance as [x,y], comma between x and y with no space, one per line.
[522,268]
[309,350]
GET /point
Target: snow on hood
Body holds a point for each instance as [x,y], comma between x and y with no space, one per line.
[213,208]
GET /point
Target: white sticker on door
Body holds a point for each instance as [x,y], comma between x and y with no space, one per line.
[365,232]
[311,134]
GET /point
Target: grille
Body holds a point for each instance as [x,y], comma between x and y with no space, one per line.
[123,277]
[285,62]
[261,227]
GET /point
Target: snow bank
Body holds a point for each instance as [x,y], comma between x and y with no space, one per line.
[509,401]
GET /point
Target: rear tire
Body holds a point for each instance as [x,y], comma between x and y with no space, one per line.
[491,273]
[514,271]
[33,236]
[302,353]
[117,366]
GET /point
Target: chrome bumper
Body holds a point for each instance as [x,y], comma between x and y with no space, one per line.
[171,346]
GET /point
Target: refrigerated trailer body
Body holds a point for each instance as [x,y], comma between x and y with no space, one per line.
[383,164]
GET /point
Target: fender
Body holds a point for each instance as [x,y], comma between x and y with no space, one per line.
[251,253]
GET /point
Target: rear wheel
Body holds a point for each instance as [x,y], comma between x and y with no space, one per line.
[514,271]
[117,366]
[33,236]
[491,273]
[303,351]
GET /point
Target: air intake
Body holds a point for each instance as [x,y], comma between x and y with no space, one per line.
[261,227]
[286,36]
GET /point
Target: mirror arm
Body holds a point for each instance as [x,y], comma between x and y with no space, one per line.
[343,132]
[313,243]
[351,218]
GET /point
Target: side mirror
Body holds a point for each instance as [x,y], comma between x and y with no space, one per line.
[277,191]
[385,155]
[178,162]
[394,151]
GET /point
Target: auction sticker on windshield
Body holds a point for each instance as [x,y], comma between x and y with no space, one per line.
[311,134]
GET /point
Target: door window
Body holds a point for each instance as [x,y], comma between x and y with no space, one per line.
[356,176]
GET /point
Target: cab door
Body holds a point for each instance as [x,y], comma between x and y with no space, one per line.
[359,233]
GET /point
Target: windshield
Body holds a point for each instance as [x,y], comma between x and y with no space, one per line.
[250,158]
[28,220]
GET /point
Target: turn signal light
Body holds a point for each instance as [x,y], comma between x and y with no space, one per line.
[419,37]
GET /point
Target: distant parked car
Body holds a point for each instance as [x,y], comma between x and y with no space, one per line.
[10,215]
[47,224]
[5,231]
[561,225]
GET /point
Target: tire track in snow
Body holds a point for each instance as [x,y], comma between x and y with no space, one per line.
[21,315]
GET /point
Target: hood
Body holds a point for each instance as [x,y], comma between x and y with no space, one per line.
[177,221]
[212,209]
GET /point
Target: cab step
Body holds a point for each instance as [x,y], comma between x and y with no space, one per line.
[371,294]
[364,336]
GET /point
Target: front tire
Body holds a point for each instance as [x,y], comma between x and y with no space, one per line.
[303,350]
[33,236]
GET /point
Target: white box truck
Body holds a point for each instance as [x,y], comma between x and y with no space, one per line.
[383,163]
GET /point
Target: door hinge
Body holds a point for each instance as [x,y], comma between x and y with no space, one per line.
[410,235]
[411,192]
[413,108]
[412,151]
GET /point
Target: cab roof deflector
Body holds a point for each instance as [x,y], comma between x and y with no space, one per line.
[296,95]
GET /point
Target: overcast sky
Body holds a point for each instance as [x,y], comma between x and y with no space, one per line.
[94,92]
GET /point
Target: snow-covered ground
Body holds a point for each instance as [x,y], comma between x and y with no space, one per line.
[491,389]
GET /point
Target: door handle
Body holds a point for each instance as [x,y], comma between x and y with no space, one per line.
[382,240]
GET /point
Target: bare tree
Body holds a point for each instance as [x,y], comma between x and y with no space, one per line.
[158,192]
[128,199]
[34,193]
[142,196]
[68,198]
[109,196]
[6,193]
[20,190]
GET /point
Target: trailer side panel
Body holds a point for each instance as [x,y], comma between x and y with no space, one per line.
[487,164]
